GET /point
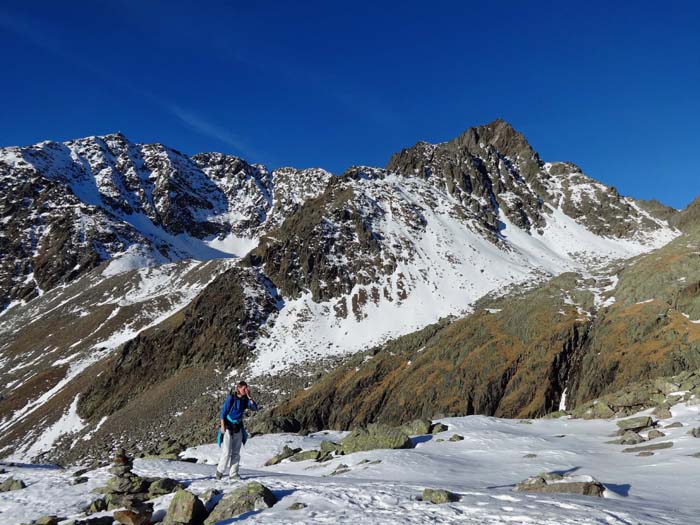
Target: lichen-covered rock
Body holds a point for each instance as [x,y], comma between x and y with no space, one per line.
[695,432]
[418,427]
[12,484]
[375,437]
[250,497]
[636,423]
[306,455]
[286,453]
[185,508]
[456,437]
[297,506]
[163,486]
[439,496]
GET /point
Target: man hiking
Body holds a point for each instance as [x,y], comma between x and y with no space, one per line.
[234,434]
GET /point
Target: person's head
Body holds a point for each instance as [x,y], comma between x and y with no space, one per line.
[241,388]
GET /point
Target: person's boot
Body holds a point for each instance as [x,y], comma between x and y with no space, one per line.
[235,476]
[219,475]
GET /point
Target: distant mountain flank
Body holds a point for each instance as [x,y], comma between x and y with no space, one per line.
[132,273]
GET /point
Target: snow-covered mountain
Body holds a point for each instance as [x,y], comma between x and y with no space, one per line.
[309,266]
[67,207]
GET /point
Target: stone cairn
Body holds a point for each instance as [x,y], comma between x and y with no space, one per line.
[126,489]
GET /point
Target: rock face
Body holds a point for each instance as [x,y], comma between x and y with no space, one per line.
[557,484]
[250,497]
[185,509]
[375,436]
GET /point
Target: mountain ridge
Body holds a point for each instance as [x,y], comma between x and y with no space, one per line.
[324,266]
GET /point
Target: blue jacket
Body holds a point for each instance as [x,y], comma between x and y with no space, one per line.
[234,407]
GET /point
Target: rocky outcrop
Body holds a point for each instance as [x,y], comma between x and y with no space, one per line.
[375,436]
[485,363]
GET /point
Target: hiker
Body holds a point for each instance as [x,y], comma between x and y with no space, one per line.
[232,430]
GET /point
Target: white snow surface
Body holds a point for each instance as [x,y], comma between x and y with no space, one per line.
[482,469]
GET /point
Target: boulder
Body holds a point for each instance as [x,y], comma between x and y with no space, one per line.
[126,485]
[12,484]
[662,412]
[297,506]
[134,517]
[636,423]
[695,432]
[306,455]
[102,520]
[375,436]
[439,427]
[185,508]
[47,520]
[630,438]
[210,498]
[677,424]
[250,497]
[439,496]
[418,427]
[286,453]
[98,505]
[340,469]
[655,434]
[163,486]
[547,484]
[656,446]
[456,437]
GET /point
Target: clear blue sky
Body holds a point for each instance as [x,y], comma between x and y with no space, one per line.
[611,86]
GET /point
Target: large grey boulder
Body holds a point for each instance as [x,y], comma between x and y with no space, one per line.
[250,497]
[185,508]
[374,437]
[544,484]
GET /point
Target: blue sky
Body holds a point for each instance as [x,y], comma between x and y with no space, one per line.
[611,86]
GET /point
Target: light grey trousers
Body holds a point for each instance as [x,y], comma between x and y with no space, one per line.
[230,453]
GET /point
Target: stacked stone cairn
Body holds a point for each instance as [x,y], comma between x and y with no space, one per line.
[128,491]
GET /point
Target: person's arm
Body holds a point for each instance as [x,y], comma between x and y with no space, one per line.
[251,402]
[225,410]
